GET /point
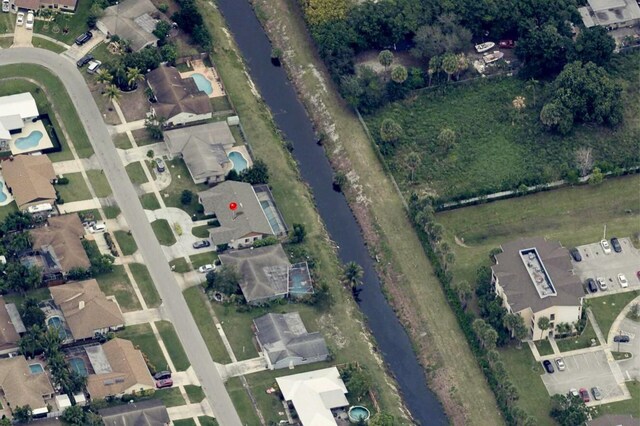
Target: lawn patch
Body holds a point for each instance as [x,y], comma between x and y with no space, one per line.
[126,242]
[241,402]
[66,26]
[170,397]
[7,210]
[201,231]
[544,347]
[116,283]
[578,342]
[75,190]
[99,183]
[607,308]
[47,44]
[180,181]
[136,173]
[121,141]
[207,421]
[180,265]
[149,201]
[174,347]
[142,336]
[163,232]
[39,294]
[111,212]
[197,260]
[195,393]
[197,305]
[145,284]
[184,422]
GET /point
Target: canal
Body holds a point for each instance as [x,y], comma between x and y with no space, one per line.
[291,117]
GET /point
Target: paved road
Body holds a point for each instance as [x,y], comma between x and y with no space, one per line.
[125,195]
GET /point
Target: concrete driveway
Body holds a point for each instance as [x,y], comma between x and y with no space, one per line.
[630,367]
[584,371]
[76,52]
[597,264]
[22,36]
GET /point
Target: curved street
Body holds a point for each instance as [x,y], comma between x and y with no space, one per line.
[173,302]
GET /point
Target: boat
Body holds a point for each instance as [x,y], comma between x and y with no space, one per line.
[492,57]
[483,47]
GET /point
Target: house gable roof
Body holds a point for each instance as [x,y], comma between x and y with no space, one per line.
[9,336]
[143,413]
[175,94]
[20,386]
[63,235]
[29,177]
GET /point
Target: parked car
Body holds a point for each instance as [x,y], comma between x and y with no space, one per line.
[605,246]
[160,166]
[6,6]
[201,244]
[97,228]
[84,60]
[616,245]
[30,19]
[602,283]
[576,255]
[591,285]
[623,281]
[161,375]
[622,338]
[548,366]
[93,66]
[560,364]
[584,394]
[574,392]
[20,19]
[83,38]
[507,44]
[207,268]
[164,383]
[597,394]
[638,275]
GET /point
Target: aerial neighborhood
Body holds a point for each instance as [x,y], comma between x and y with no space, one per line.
[343,212]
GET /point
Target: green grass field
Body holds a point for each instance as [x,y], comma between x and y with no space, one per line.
[201,231]
[180,265]
[126,242]
[99,183]
[197,305]
[578,342]
[494,153]
[184,422]
[111,212]
[116,283]
[544,347]
[170,397]
[181,180]
[207,421]
[607,308]
[163,232]
[242,402]
[66,26]
[47,44]
[75,190]
[145,284]
[121,141]
[149,201]
[198,260]
[142,336]
[174,347]
[136,173]
[195,393]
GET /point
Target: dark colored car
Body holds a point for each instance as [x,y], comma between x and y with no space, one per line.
[164,383]
[160,166]
[83,38]
[507,44]
[621,339]
[584,394]
[616,245]
[84,60]
[548,365]
[201,244]
[597,393]
[576,255]
[161,375]
[591,285]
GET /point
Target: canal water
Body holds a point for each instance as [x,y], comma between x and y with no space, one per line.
[290,116]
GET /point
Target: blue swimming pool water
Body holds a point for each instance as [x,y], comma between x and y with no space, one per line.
[203,83]
[358,413]
[3,194]
[238,160]
[36,368]
[79,366]
[30,141]
[56,323]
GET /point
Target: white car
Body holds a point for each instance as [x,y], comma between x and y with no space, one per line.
[602,283]
[6,6]
[97,228]
[605,246]
[20,19]
[206,268]
[560,364]
[623,281]
[30,18]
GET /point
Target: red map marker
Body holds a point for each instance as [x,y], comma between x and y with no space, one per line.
[233,206]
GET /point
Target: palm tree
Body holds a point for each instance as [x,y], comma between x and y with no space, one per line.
[531,86]
[112,92]
[435,64]
[103,76]
[463,64]
[543,324]
[352,275]
[449,64]
[133,77]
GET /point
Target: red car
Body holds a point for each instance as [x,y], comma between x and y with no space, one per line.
[638,274]
[507,44]
[584,394]
[167,383]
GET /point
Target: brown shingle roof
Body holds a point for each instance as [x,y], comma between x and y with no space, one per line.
[63,235]
[86,308]
[27,4]
[8,335]
[128,369]
[29,178]
[20,387]
[516,282]
[175,94]
[68,3]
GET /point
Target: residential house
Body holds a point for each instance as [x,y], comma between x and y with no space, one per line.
[132,21]
[60,243]
[314,395]
[286,343]
[611,14]
[614,420]
[534,277]
[11,327]
[86,309]
[119,369]
[29,179]
[20,386]
[15,111]
[60,5]
[203,149]
[151,412]
[178,100]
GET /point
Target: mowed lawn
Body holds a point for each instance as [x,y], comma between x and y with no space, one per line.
[163,232]
[173,345]
[142,336]
[607,308]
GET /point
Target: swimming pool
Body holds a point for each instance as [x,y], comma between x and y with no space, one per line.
[3,194]
[203,83]
[56,322]
[79,366]
[238,160]
[358,414]
[30,141]
[36,368]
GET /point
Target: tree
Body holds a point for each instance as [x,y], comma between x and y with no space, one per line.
[385,58]
[162,30]
[449,64]
[103,76]
[463,64]
[445,36]
[382,418]
[112,92]
[169,53]
[531,86]
[584,160]
[22,414]
[155,127]
[594,45]
[186,197]
[399,74]
[543,324]
[556,117]
[352,275]
[596,176]
[256,174]
[351,90]
[413,162]
[486,335]
[357,381]
[519,105]
[73,415]
[544,51]
[31,313]
[435,65]
[5,421]
[515,324]
[568,410]
[133,77]
[226,280]
[16,221]
[390,131]
[634,312]
[298,233]
[446,140]
[463,288]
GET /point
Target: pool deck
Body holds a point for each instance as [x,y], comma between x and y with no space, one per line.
[9,198]
[210,73]
[44,143]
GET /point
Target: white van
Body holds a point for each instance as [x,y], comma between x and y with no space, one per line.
[97,228]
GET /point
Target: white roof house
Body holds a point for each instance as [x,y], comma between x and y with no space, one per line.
[314,395]
[14,111]
[610,13]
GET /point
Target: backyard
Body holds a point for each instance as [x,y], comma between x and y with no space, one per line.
[493,150]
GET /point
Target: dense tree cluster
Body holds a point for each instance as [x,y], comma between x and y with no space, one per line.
[190,20]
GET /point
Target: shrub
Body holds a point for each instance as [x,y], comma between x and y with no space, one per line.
[269,241]
[62,181]
[186,197]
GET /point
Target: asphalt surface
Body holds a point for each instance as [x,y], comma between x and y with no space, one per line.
[173,302]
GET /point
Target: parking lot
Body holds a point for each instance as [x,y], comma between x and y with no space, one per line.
[584,371]
[595,263]
[630,367]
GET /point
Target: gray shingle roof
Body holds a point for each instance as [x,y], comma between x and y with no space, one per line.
[517,284]
[151,412]
[249,218]
[284,335]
